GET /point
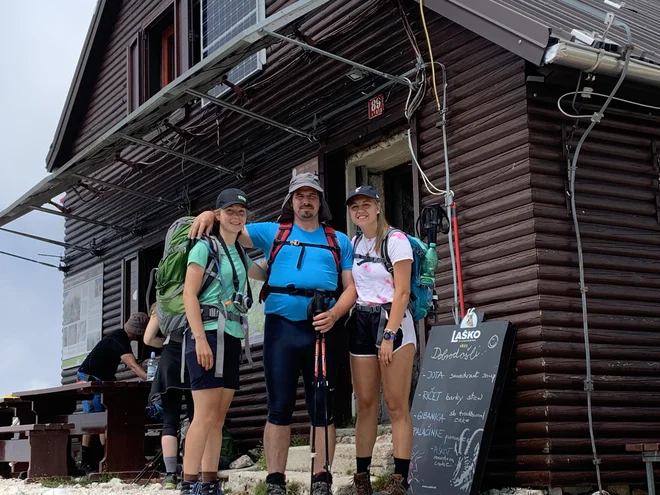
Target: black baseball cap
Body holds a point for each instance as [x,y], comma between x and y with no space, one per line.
[367,191]
[230,197]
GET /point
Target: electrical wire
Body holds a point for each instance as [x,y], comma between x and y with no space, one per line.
[613,98]
[595,119]
[428,42]
[430,187]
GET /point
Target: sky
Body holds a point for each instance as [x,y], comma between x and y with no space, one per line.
[40,42]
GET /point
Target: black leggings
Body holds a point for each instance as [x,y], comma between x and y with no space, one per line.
[289,350]
[171,403]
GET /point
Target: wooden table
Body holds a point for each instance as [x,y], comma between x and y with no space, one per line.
[123,421]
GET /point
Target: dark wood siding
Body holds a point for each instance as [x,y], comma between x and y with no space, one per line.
[616,195]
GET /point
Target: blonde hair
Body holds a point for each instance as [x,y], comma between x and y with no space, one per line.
[152,309]
[382,226]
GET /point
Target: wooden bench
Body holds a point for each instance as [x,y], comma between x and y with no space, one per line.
[42,446]
[650,454]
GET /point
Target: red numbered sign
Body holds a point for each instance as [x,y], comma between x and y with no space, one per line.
[376,106]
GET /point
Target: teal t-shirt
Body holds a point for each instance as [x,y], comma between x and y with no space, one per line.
[199,255]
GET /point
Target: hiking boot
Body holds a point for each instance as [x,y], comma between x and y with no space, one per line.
[189,488]
[275,489]
[321,488]
[210,488]
[170,481]
[362,484]
[393,486]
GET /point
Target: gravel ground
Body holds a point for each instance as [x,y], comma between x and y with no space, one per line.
[115,486]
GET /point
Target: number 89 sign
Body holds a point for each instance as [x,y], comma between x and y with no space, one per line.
[376,106]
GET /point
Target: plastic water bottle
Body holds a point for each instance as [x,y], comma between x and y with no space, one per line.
[151,367]
[429,265]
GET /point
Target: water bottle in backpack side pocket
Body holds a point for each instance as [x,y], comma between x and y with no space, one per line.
[151,367]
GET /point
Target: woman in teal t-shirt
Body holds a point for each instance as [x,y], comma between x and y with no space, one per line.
[213,394]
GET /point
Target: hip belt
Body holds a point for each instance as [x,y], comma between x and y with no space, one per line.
[382,310]
[221,315]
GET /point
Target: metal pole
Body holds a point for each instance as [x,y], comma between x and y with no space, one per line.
[81,219]
[50,241]
[158,147]
[31,260]
[127,190]
[248,113]
[305,46]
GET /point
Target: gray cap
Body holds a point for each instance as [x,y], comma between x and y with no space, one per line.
[137,324]
[304,180]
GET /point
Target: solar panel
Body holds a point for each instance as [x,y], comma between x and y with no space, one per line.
[221,21]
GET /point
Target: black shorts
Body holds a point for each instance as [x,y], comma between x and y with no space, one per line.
[363,333]
[201,379]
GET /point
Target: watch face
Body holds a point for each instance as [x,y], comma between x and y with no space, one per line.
[388,336]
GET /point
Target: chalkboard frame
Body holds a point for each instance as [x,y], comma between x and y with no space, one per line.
[504,366]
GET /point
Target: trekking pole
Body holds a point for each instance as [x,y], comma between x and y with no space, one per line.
[151,464]
[325,410]
[317,352]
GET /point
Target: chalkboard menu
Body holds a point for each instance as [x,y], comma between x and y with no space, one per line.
[453,411]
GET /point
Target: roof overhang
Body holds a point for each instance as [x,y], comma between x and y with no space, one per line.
[175,95]
[505,27]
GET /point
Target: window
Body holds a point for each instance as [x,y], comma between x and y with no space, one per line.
[220,21]
[161,53]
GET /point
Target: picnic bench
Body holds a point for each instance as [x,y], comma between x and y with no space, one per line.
[42,448]
[650,454]
[123,421]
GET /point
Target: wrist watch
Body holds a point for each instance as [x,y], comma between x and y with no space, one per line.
[389,334]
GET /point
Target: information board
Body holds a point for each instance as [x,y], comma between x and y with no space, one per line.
[454,408]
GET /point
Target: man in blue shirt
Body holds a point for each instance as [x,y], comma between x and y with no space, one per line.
[304,267]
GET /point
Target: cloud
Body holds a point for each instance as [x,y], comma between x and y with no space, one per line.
[42,41]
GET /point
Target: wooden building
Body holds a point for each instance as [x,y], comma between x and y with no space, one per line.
[137,147]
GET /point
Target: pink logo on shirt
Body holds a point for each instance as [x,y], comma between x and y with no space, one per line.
[399,235]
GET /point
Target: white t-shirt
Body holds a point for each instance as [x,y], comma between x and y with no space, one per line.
[374,284]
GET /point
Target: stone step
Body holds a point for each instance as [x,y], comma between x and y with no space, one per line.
[344,462]
[244,482]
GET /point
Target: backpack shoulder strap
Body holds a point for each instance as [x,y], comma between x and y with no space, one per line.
[384,251]
[244,258]
[333,242]
[356,241]
[283,233]
[215,256]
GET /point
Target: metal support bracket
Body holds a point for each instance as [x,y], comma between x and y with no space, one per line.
[50,241]
[248,113]
[81,219]
[178,154]
[346,61]
[127,190]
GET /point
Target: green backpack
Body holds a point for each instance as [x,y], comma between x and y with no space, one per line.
[171,274]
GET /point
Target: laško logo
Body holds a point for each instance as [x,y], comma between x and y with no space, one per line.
[465,335]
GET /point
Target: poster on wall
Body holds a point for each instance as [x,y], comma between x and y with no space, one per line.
[82,315]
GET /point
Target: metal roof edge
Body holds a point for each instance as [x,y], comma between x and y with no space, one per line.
[71,96]
[507,28]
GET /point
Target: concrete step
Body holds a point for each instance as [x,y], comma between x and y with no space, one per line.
[344,462]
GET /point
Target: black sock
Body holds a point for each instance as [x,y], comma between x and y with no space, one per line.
[401,466]
[363,464]
[323,476]
[86,455]
[276,479]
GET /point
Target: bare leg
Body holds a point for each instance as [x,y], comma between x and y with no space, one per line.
[211,458]
[319,460]
[276,447]
[366,385]
[207,412]
[396,388]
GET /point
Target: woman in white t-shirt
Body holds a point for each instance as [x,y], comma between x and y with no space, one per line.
[382,338]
